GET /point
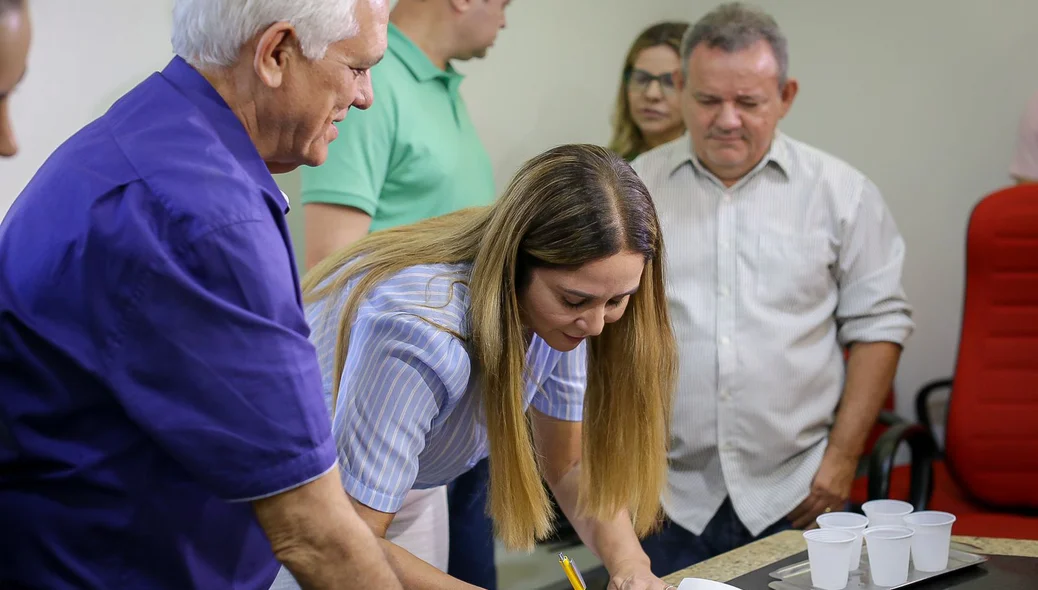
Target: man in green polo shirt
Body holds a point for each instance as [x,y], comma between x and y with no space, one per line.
[414,154]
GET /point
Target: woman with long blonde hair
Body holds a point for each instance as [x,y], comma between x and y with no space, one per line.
[648,110]
[535,331]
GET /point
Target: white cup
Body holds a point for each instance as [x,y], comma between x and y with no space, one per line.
[932,539]
[886,512]
[827,553]
[889,548]
[847,521]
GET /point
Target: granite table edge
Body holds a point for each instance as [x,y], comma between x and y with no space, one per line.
[779,546]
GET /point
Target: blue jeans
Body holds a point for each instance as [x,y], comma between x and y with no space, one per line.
[673,548]
[471,556]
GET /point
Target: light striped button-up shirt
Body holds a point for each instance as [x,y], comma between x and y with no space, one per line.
[408,413]
[767,279]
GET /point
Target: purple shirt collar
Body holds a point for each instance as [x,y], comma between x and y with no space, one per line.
[228,127]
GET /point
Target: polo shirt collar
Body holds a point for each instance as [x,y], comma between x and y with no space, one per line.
[778,154]
[229,130]
[417,62]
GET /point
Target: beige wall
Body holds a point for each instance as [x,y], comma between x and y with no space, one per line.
[921,95]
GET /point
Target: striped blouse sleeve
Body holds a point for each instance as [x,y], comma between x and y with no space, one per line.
[400,373]
[562,395]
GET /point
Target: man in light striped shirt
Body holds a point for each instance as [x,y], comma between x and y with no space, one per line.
[780,256]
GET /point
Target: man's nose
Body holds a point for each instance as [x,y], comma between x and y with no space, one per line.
[728,118]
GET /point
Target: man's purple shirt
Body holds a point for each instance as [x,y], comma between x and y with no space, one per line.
[155,367]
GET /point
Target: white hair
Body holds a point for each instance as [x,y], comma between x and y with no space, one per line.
[210,33]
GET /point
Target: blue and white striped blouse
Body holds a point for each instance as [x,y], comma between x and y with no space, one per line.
[408,411]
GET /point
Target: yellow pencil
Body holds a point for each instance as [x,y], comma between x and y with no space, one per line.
[574,577]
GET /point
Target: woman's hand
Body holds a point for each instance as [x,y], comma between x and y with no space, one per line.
[636,576]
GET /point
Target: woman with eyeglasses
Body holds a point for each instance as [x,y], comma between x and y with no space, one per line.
[647,111]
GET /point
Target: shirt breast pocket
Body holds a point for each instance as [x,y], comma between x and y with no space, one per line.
[424,166]
[793,270]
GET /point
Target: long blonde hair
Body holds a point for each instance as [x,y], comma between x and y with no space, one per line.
[571,205]
[627,139]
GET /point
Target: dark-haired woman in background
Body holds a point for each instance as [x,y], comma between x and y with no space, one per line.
[647,111]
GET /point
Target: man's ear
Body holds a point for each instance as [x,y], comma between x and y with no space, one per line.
[275,48]
[789,92]
[462,6]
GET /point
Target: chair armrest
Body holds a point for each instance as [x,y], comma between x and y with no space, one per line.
[922,400]
[888,418]
[923,450]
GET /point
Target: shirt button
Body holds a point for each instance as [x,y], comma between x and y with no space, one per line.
[724,291]
[725,395]
[725,340]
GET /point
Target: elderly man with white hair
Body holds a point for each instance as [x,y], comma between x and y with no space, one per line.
[162,423]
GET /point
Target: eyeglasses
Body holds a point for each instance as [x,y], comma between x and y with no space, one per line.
[640,80]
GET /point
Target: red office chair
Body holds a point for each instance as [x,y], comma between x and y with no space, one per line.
[989,475]
[883,479]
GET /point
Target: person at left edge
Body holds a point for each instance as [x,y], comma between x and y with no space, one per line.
[161,423]
[15,34]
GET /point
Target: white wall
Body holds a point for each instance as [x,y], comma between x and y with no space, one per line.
[923,96]
[83,57]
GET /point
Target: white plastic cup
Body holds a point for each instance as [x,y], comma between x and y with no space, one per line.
[827,553]
[932,539]
[889,548]
[847,521]
[886,512]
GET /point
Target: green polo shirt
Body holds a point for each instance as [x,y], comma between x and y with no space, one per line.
[414,154]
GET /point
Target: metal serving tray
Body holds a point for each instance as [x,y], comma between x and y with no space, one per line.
[798,575]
